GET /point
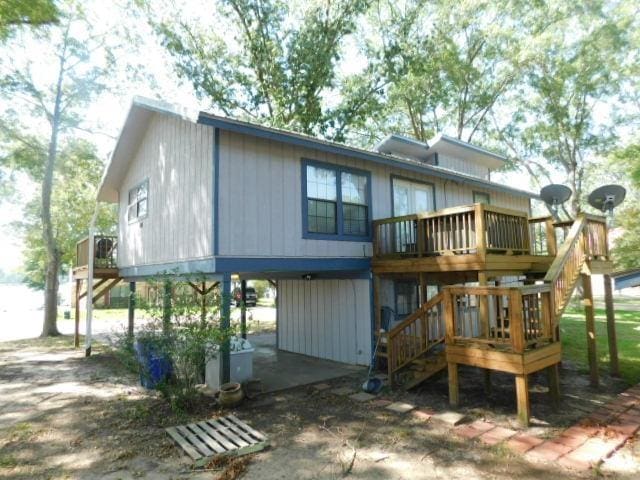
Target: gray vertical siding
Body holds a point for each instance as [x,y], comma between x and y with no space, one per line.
[463,166]
[328,319]
[261,204]
[176,156]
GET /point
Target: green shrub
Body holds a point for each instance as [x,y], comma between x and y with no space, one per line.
[181,327]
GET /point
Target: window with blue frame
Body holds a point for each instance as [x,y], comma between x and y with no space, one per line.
[336,202]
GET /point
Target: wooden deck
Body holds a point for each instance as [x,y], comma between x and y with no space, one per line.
[478,238]
[493,327]
[105,258]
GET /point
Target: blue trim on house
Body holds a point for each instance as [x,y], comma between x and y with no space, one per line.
[412,180]
[339,169]
[322,145]
[627,280]
[191,267]
[215,224]
[303,264]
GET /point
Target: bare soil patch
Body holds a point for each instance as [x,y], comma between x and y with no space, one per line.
[65,416]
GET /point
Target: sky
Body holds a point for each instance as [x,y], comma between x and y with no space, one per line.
[107,113]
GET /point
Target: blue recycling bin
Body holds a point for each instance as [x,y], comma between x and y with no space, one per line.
[155,365]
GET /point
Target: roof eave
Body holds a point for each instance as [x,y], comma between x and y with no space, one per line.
[336,148]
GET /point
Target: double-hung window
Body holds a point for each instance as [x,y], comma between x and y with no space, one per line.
[336,202]
[138,202]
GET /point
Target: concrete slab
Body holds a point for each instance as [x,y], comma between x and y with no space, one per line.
[279,370]
[362,397]
[449,418]
[400,407]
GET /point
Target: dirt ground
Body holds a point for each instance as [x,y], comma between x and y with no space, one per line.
[64,416]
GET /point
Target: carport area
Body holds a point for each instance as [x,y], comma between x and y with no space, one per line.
[278,370]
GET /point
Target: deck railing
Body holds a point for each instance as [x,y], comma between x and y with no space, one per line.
[596,237]
[105,252]
[511,319]
[475,228]
[416,334]
[542,234]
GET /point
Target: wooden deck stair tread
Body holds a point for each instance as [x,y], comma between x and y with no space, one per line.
[436,363]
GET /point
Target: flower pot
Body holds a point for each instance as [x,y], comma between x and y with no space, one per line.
[231,395]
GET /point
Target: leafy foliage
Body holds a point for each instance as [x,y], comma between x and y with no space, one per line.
[186,338]
[281,68]
[16,13]
[73,201]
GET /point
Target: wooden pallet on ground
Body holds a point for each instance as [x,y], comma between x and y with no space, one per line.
[206,440]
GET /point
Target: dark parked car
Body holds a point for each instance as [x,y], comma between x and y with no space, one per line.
[251,297]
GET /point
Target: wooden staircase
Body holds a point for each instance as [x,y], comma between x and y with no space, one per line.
[415,348]
[572,256]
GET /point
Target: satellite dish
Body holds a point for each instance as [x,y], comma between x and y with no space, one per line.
[607,197]
[555,195]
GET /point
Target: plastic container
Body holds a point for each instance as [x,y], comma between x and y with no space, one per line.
[241,368]
[155,366]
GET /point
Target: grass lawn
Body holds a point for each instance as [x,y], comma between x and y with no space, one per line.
[574,339]
[99,314]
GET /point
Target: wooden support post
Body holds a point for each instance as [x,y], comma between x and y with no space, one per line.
[591,328]
[552,245]
[203,304]
[243,308]
[614,363]
[522,398]
[481,230]
[554,384]
[422,278]
[484,325]
[516,321]
[76,336]
[166,306]
[225,323]
[376,304]
[132,307]
[454,398]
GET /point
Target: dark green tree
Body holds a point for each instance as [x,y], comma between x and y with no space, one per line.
[272,63]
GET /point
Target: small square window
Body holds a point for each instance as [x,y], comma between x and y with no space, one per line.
[138,201]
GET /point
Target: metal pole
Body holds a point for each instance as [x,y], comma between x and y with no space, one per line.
[87,338]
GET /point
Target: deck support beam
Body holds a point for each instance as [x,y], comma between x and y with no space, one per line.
[454,395]
[166,306]
[225,323]
[484,326]
[243,308]
[522,397]
[590,324]
[554,384]
[614,363]
[132,308]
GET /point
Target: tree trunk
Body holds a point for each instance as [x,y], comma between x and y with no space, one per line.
[50,324]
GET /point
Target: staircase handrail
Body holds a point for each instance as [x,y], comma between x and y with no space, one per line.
[565,251]
[395,331]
